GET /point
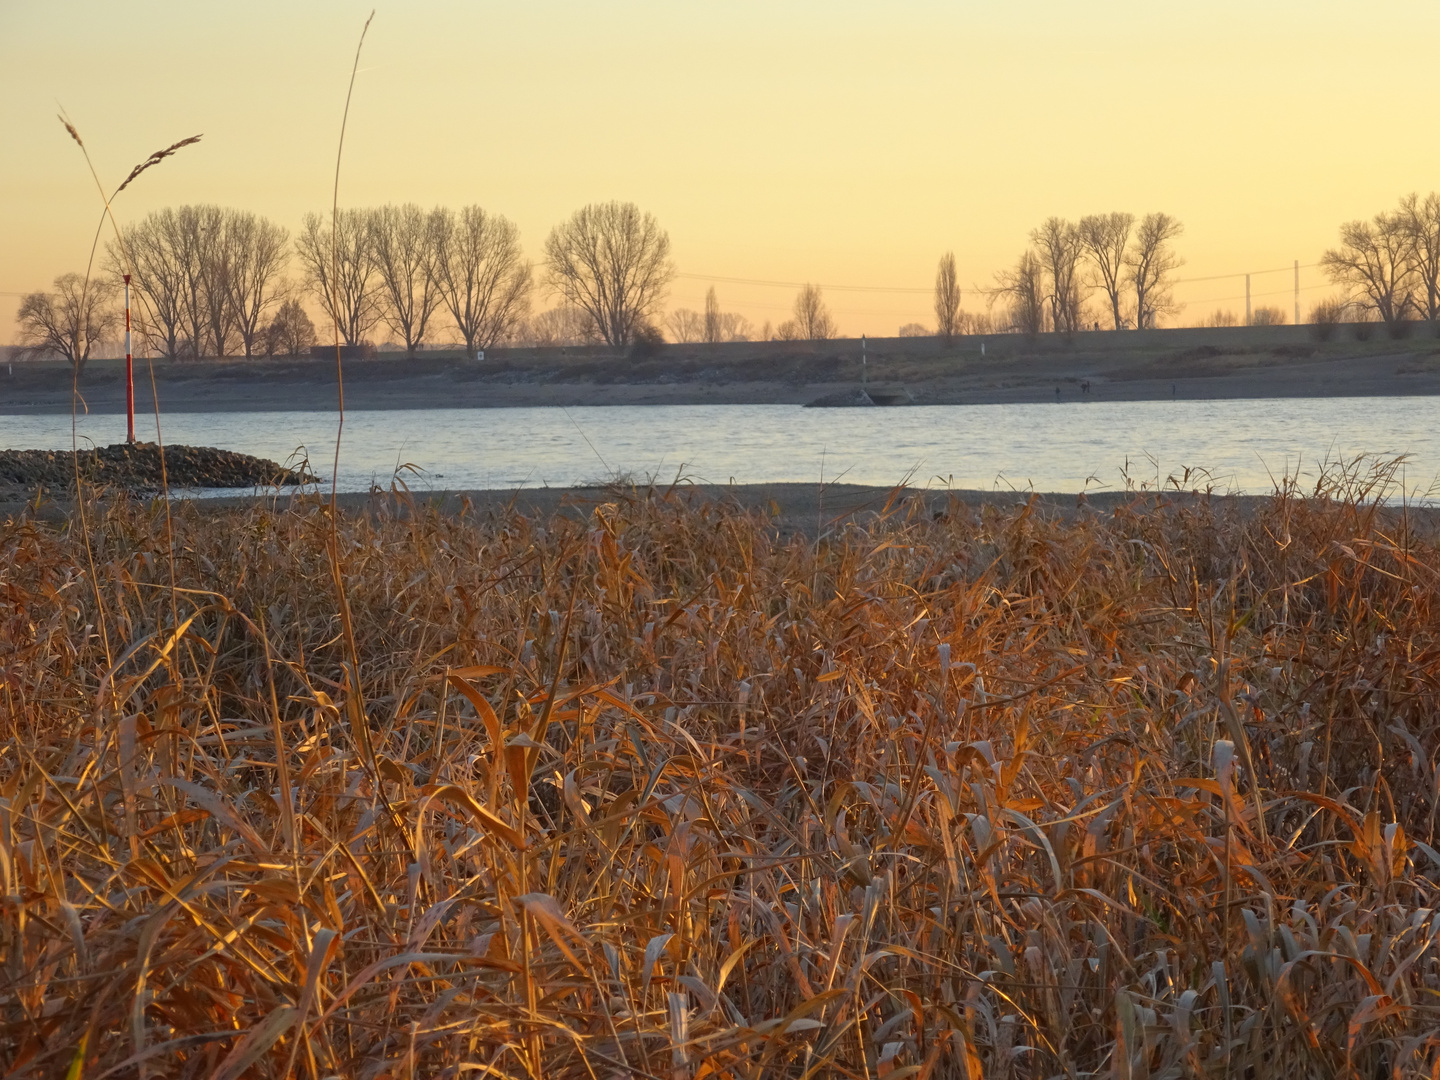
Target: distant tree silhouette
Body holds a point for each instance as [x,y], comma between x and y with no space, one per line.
[68,322]
[688,326]
[1105,240]
[1375,259]
[714,329]
[557,327]
[157,276]
[1150,265]
[1023,290]
[347,290]
[290,333]
[402,246]
[947,299]
[255,251]
[481,274]
[812,319]
[612,261]
[1057,244]
[1422,221]
[1221,317]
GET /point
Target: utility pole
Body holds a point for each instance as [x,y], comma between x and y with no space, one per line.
[1297,292]
[1247,299]
[129,372]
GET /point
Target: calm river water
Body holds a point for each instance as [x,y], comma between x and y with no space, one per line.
[1044,447]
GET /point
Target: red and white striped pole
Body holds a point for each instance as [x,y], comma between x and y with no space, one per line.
[129,372]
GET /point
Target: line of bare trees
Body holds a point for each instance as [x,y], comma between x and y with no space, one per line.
[212,282]
[205,280]
[409,268]
[811,320]
[1132,264]
[1388,266]
[209,280]
[712,325]
[609,265]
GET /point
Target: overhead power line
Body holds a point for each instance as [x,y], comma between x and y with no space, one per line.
[802,284]
[1272,292]
[767,283]
[1248,273]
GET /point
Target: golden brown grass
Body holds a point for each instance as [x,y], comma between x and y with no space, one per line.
[655,792]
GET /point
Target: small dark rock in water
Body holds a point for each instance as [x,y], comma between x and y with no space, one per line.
[136,467]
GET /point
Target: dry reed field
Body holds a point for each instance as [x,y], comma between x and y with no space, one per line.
[655,791]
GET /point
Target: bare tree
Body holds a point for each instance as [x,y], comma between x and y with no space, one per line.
[559,326]
[481,273]
[146,253]
[1268,315]
[189,249]
[1059,249]
[1326,317]
[947,299]
[205,226]
[914,329]
[813,321]
[735,327]
[1023,288]
[720,325]
[1150,265]
[1221,317]
[1105,239]
[1375,258]
[401,242]
[687,326]
[256,250]
[714,321]
[345,283]
[290,333]
[976,324]
[612,261]
[69,321]
[1422,222]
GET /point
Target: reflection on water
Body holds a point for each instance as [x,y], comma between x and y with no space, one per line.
[1240,445]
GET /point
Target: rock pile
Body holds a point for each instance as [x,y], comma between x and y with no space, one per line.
[136,467]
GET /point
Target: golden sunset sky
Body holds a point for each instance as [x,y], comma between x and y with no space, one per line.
[792,140]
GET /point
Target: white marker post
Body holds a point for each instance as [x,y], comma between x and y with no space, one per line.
[129,372]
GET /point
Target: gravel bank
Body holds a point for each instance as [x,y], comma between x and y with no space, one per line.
[137,467]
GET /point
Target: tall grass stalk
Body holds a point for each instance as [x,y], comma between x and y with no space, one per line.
[76,401]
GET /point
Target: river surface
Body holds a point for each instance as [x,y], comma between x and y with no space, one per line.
[1237,446]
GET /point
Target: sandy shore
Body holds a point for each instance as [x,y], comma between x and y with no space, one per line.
[1154,365]
[807,509]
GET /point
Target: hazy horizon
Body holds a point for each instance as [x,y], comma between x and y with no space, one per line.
[796,142]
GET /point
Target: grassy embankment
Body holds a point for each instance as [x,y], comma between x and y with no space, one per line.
[660,793]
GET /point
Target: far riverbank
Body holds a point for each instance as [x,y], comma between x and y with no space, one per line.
[1225,364]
